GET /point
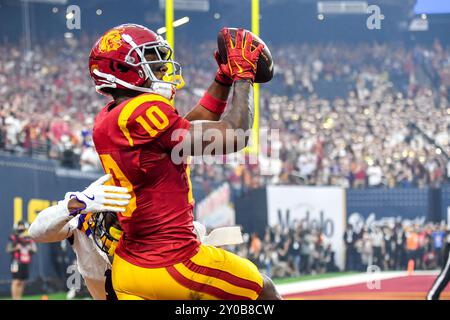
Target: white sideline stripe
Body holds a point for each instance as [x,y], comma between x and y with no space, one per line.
[439,280]
[427,272]
[340,281]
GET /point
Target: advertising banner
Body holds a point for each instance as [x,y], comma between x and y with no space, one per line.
[316,208]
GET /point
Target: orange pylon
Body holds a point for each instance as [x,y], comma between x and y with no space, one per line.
[410,267]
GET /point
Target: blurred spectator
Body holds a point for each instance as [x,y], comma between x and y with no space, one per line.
[21,248]
[255,248]
[378,244]
[365,248]
[89,159]
[329,260]
[400,247]
[375,175]
[438,238]
[350,238]
[412,244]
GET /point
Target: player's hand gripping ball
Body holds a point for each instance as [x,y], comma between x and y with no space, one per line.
[247,54]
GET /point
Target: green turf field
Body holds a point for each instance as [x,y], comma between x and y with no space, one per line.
[312,277]
[51,296]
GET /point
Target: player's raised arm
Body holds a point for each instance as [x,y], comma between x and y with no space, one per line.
[231,133]
[52,224]
[213,103]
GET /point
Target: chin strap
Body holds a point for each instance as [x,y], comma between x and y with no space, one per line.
[164,89]
[167,90]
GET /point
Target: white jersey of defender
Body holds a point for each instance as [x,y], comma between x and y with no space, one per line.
[54,224]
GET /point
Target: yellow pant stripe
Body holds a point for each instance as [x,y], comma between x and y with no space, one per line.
[215,282]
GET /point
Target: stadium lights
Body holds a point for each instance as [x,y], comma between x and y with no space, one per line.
[320,17]
[175,24]
[99,12]
[423,16]
[217,16]
[55,10]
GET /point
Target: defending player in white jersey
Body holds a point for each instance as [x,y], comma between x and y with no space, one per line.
[87,219]
[69,219]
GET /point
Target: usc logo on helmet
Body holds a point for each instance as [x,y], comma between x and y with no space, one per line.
[110,41]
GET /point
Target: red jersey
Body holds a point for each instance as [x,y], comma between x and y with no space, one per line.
[134,142]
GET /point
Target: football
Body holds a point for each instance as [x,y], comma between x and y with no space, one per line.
[264,68]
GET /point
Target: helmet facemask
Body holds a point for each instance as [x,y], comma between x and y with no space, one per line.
[163,54]
[106,231]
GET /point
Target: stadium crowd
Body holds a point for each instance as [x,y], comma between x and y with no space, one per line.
[294,250]
[347,115]
[289,251]
[393,246]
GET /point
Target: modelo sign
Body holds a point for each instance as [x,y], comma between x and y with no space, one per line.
[319,208]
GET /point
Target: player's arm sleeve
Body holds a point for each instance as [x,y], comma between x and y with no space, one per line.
[52,224]
[157,122]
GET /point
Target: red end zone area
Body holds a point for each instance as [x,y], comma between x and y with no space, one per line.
[412,287]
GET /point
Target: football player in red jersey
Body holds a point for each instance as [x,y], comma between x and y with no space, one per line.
[159,255]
